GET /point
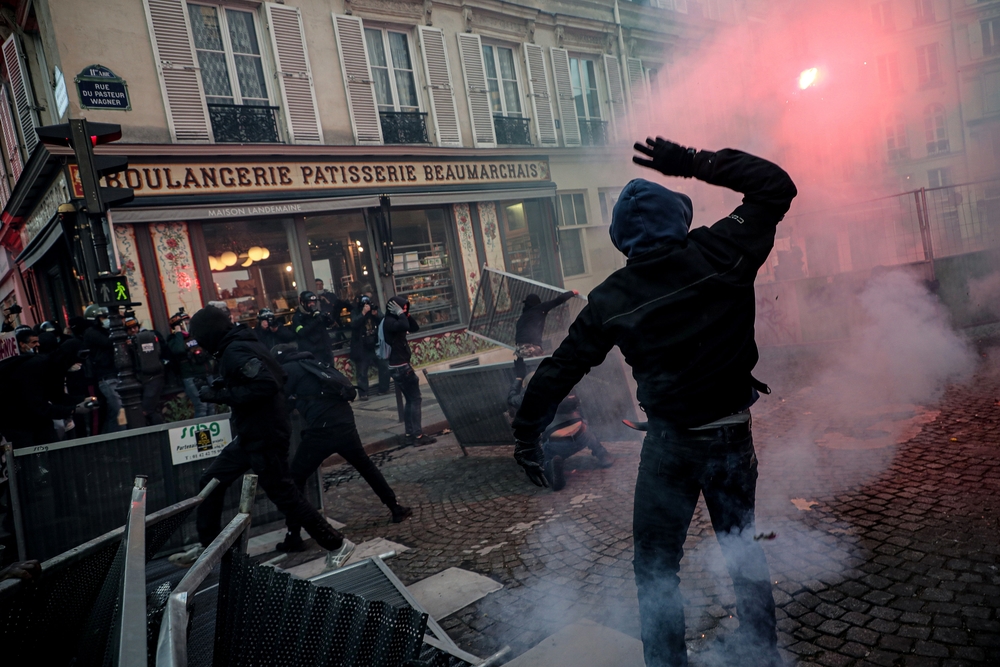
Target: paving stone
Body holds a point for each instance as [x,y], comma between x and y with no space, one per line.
[832,627]
[930,649]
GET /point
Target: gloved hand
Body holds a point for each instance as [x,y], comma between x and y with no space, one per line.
[530,457]
[209,394]
[395,308]
[667,157]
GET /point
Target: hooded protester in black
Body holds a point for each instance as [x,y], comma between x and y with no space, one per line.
[310,326]
[531,324]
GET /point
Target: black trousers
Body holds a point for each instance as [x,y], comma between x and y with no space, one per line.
[409,384]
[320,443]
[271,467]
[152,389]
[361,366]
[567,447]
[675,467]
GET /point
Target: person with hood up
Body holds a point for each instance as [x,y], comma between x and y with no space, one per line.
[329,429]
[530,326]
[395,326]
[682,313]
[251,382]
[269,332]
[311,327]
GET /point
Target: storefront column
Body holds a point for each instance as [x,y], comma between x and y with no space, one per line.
[489,226]
[467,245]
[176,264]
[302,270]
[128,255]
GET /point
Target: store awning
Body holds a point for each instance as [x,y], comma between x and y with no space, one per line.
[466,196]
[42,243]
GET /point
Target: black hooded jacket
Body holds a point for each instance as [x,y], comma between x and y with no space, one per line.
[395,328]
[254,384]
[312,335]
[102,351]
[275,334]
[40,396]
[682,313]
[303,390]
[531,324]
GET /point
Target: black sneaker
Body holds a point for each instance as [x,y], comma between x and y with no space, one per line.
[401,513]
[292,543]
[557,477]
[363,397]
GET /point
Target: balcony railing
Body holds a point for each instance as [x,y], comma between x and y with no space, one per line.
[243,124]
[512,131]
[593,132]
[404,127]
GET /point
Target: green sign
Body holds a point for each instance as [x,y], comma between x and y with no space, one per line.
[112,291]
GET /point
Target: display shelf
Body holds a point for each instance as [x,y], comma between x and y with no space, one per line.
[439,269]
[430,307]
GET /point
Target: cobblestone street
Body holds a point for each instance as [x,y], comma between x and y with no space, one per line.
[885,554]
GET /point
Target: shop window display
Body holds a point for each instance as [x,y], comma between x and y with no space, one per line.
[423,268]
[252,268]
[528,240]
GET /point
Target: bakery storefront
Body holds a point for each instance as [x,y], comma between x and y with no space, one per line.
[255,232]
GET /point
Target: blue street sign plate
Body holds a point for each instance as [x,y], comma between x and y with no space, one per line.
[100,88]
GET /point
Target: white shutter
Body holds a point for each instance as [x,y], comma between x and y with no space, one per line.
[975,41]
[358,79]
[183,95]
[10,136]
[681,6]
[24,101]
[470,48]
[437,73]
[538,91]
[298,95]
[637,88]
[616,95]
[564,91]
[4,187]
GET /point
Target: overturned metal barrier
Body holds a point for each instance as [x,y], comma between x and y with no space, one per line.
[70,492]
[68,613]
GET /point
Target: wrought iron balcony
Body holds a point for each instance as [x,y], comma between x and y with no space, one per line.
[593,132]
[404,127]
[512,131]
[243,124]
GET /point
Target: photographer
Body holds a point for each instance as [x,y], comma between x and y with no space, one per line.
[364,337]
[269,332]
[397,324]
[311,328]
[192,362]
[322,396]
[150,369]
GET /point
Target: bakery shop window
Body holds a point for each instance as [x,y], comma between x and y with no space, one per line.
[252,268]
[423,270]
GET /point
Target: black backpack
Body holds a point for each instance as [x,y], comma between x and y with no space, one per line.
[147,350]
[335,384]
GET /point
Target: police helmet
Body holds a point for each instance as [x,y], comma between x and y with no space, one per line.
[94,311]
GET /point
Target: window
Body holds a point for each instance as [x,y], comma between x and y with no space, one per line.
[924,13]
[653,76]
[888,71]
[528,240]
[574,209]
[422,266]
[928,64]
[935,129]
[895,137]
[573,213]
[991,36]
[608,199]
[938,178]
[392,70]
[882,16]
[584,76]
[501,77]
[991,92]
[228,52]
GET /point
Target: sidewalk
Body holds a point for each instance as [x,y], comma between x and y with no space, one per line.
[378,419]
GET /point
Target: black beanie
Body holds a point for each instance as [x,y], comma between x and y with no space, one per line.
[209,326]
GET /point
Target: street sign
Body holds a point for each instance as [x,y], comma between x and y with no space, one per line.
[112,291]
[203,440]
[100,88]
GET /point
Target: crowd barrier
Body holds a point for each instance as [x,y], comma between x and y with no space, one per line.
[66,493]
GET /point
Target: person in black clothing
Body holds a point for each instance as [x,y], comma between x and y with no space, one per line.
[364,337]
[251,383]
[329,429]
[269,332]
[311,328]
[26,339]
[48,337]
[568,434]
[530,326]
[102,366]
[682,313]
[395,326]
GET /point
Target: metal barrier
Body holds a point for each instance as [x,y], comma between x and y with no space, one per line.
[474,400]
[69,492]
[67,614]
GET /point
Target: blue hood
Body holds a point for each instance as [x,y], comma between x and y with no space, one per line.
[648,216]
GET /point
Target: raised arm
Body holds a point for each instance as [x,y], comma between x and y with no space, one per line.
[546,306]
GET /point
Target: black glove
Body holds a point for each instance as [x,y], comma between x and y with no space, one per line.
[209,394]
[668,158]
[530,457]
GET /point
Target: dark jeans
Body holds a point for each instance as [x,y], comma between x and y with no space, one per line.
[152,388]
[273,475]
[567,447]
[409,384]
[318,444]
[361,366]
[675,466]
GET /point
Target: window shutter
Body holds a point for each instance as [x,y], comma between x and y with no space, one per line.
[9,136]
[681,6]
[616,94]
[4,186]
[564,91]
[538,91]
[637,88]
[437,73]
[470,47]
[24,102]
[183,95]
[358,80]
[298,95]
[975,41]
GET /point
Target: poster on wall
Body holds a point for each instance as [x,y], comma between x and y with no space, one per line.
[8,346]
[203,440]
